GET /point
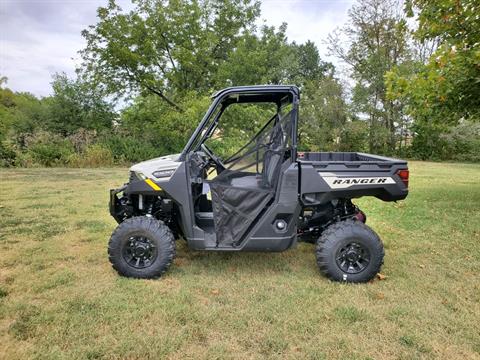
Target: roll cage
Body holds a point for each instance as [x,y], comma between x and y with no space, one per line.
[278,94]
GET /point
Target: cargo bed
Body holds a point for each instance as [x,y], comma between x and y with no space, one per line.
[325,176]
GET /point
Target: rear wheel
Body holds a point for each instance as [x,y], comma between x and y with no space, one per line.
[141,247]
[349,251]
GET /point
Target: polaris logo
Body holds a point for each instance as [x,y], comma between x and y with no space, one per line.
[337,182]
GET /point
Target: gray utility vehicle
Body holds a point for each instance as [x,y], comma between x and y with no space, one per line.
[265,197]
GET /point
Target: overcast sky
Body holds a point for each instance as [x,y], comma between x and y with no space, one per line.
[41,37]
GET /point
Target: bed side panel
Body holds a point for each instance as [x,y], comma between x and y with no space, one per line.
[322,181]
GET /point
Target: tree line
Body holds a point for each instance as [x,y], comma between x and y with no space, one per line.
[411,86]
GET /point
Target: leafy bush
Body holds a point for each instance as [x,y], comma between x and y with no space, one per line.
[82,138]
[48,149]
[458,143]
[354,136]
[7,154]
[95,155]
[463,142]
[129,149]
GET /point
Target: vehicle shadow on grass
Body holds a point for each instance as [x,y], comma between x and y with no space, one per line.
[244,263]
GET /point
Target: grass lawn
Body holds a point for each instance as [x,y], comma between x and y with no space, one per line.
[60,298]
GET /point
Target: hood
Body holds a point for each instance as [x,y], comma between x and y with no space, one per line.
[147,168]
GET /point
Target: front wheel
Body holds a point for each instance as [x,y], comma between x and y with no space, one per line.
[349,251]
[141,247]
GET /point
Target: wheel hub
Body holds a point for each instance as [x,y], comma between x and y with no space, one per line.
[352,255]
[352,258]
[139,252]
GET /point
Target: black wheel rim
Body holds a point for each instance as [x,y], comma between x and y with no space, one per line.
[352,258]
[139,252]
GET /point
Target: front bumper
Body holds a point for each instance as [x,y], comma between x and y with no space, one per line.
[117,209]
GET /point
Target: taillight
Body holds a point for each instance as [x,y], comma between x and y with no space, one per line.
[403,174]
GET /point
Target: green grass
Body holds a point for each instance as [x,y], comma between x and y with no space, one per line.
[59,297]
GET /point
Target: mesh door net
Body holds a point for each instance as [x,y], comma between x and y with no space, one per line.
[243,190]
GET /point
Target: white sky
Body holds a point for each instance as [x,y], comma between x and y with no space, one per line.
[41,37]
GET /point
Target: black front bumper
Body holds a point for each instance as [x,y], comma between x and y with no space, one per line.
[117,209]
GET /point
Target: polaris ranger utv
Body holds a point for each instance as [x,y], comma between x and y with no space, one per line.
[265,197]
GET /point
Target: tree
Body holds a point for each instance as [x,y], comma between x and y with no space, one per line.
[377,36]
[323,114]
[171,48]
[257,59]
[267,57]
[153,121]
[76,105]
[309,64]
[444,91]
[20,113]
[164,47]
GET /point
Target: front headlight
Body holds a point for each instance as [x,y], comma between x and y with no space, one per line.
[136,176]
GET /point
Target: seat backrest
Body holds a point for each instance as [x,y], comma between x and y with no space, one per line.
[273,156]
[275,153]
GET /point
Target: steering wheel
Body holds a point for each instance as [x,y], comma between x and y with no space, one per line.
[214,158]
